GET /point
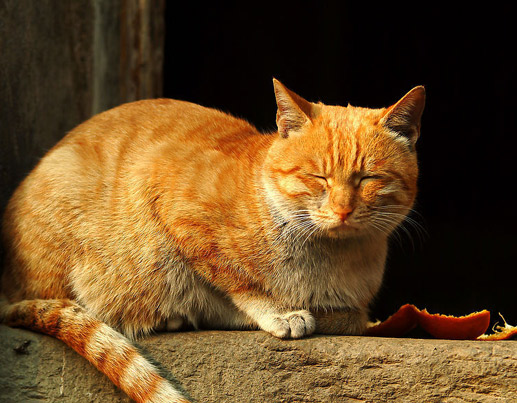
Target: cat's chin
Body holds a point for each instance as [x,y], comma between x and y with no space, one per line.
[342,231]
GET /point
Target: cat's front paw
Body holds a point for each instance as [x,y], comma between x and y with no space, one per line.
[291,325]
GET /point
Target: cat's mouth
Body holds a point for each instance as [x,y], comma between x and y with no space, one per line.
[343,227]
[336,228]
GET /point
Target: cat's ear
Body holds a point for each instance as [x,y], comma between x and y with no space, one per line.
[293,111]
[404,117]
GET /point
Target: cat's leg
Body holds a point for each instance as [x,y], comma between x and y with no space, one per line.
[345,321]
[280,322]
[174,323]
[171,324]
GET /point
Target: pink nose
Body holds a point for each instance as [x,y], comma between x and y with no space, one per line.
[343,212]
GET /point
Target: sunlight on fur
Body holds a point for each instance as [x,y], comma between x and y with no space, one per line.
[162,214]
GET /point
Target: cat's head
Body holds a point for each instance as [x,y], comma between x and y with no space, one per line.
[342,171]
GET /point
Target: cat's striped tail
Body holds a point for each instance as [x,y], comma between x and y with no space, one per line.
[108,350]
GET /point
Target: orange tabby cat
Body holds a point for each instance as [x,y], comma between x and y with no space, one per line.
[161,214]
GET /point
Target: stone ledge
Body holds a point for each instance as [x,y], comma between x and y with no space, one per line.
[215,366]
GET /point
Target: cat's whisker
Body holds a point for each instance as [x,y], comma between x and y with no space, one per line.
[378,227]
[293,218]
[419,229]
[402,228]
[315,228]
[407,216]
[388,224]
[392,228]
[307,229]
[294,230]
[406,221]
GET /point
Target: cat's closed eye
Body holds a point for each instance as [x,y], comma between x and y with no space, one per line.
[368,178]
[319,177]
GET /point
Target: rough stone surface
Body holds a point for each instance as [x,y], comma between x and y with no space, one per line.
[255,367]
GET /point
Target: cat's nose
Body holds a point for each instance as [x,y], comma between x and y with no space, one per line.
[343,212]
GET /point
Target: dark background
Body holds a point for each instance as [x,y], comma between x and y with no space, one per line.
[343,52]
[62,62]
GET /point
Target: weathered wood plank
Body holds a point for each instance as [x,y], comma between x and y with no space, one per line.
[62,62]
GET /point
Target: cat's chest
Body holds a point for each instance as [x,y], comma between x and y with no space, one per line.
[330,275]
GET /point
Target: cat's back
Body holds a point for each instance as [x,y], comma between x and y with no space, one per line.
[140,132]
[153,121]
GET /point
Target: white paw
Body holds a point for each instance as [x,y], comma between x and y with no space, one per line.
[291,325]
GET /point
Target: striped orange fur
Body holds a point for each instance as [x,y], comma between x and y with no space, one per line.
[161,214]
[108,350]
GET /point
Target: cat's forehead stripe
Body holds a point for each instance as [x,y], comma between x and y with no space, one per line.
[329,161]
[345,148]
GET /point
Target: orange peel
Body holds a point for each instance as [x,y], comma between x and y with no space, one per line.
[468,327]
[398,324]
[500,332]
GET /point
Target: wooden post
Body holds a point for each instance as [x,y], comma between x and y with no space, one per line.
[62,62]
[141,47]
